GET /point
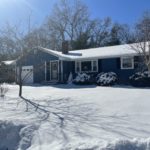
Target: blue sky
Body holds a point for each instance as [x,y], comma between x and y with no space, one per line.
[123,11]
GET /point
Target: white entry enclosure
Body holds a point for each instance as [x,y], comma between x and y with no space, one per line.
[27,74]
[54,70]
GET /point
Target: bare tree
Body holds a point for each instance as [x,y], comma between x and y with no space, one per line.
[10,41]
[17,42]
[125,34]
[142,38]
[101,31]
[68,20]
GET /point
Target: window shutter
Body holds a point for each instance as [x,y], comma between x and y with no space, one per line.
[100,65]
[136,62]
[118,63]
[47,71]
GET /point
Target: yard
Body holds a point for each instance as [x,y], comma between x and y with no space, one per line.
[94,118]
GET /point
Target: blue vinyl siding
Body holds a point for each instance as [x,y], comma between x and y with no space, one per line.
[68,67]
[113,65]
[109,65]
[37,60]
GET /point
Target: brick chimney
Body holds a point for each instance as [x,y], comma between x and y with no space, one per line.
[65,47]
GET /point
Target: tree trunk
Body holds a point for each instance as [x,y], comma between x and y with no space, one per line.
[20,81]
[20,90]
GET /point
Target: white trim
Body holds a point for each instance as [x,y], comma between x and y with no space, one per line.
[80,66]
[96,65]
[132,61]
[45,70]
[76,66]
[49,70]
[57,70]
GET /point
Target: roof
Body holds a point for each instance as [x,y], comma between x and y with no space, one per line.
[102,52]
[9,62]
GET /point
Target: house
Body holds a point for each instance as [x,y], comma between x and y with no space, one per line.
[7,71]
[42,65]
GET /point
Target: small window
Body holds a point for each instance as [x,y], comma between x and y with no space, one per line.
[127,63]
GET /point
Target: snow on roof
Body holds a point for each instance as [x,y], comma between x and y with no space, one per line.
[102,52]
[9,62]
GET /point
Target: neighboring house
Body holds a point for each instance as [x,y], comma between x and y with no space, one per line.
[7,71]
[45,65]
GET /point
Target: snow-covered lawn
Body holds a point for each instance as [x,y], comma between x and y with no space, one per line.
[107,118]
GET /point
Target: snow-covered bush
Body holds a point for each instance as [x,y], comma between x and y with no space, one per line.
[82,78]
[106,79]
[140,79]
[3,89]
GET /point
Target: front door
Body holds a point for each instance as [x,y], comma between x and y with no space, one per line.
[54,70]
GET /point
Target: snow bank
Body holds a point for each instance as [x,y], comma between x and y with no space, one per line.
[102,115]
[26,135]
[9,135]
[15,136]
[135,144]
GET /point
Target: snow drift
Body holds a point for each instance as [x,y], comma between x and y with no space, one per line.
[9,135]
[135,144]
[15,136]
[104,118]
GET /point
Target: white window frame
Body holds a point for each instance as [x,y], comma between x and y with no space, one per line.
[132,61]
[76,66]
[80,68]
[96,65]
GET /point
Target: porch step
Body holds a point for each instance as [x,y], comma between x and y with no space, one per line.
[49,83]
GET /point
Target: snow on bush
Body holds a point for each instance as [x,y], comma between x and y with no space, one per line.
[82,78]
[3,89]
[105,79]
[140,79]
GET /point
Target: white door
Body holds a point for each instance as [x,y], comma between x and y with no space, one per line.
[27,74]
[54,70]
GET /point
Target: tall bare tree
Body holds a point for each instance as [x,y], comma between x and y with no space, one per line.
[101,31]
[68,20]
[142,38]
[10,41]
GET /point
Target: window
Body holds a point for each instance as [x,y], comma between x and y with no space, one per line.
[86,66]
[127,63]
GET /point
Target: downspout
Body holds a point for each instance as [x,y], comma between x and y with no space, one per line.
[61,70]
